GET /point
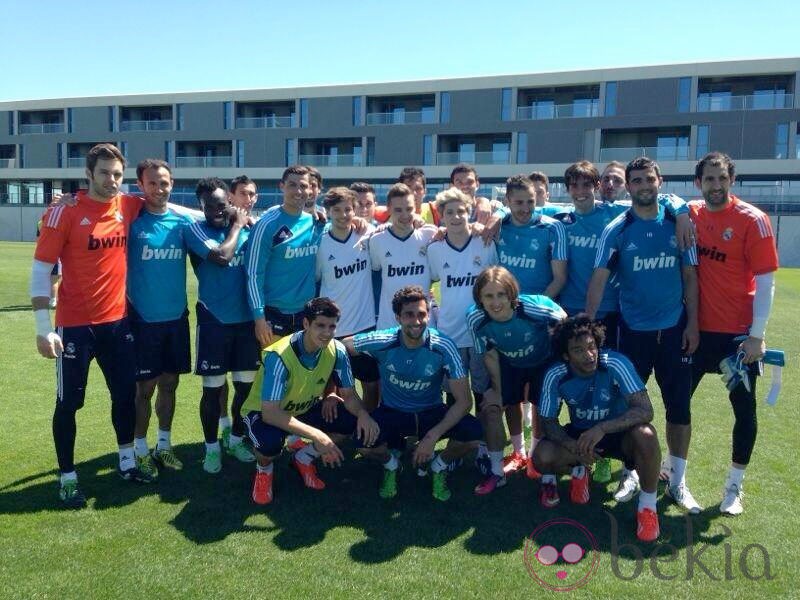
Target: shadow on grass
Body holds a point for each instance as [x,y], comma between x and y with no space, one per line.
[16,308]
[213,507]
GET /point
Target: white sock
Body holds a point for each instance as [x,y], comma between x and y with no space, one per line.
[527,413]
[483,449]
[665,466]
[140,447]
[438,465]
[164,442]
[71,476]
[534,442]
[632,473]
[496,458]
[264,469]
[549,478]
[224,422]
[235,440]
[126,458]
[213,447]
[392,464]
[578,471]
[647,500]
[678,475]
[735,476]
[518,442]
[306,454]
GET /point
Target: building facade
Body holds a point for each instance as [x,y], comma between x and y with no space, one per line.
[502,124]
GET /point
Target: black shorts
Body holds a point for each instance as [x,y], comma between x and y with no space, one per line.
[365,368]
[661,352]
[162,347]
[224,347]
[513,381]
[397,425]
[609,447]
[283,324]
[712,349]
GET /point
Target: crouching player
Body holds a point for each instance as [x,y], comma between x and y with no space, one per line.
[287,399]
[413,360]
[610,414]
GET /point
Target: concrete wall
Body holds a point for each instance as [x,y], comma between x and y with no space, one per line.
[18,224]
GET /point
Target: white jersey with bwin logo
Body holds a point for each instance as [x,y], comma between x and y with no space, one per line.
[345,276]
[401,262]
[457,270]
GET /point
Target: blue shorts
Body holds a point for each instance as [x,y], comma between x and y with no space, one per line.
[608,447]
[161,347]
[225,347]
[112,345]
[514,379]
[397,425]
[268,440]
[661,352]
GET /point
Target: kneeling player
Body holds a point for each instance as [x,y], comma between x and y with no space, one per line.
[413,360]
[288,400]
[610,414]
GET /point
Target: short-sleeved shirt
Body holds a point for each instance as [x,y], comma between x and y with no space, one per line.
[401,261]
[222,289]
[733,246]
[91,240]
[157,266]
[526,250]
[590,400]
[457,269]
[411,378]
[344,271]
[523,340]
[645,256]
[276,374]
[281,261]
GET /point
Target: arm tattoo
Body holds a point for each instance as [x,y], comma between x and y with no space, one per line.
[554,432]
[640,410]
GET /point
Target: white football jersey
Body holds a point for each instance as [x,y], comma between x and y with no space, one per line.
[345,275]
[401,262]
[456,270]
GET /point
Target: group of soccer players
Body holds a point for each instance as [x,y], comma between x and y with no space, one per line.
[538,304]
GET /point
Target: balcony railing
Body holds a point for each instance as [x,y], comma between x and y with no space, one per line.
[8,163]
[203,161]
[751,102]
[151,125]
[76,162]
[496,157]
[627,154]
[558,111]
[264,122]
[41,128]
[331,160]
[401,118]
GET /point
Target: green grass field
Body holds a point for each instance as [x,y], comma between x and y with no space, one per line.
[192,535]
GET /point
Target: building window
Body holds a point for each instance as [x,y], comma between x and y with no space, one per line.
[227,115]
[782,140]
[169,152]
[240,153]
[611,99]
[179,117]
[522,148]
[69,120]
[21,156]
[684,94]
[427,149]
[505,104]
[444,107]
[357,105]
[111,125]
[60,148]
[370,151]
[672,147]
[702,141]
[11,122]
[291,152]
[303,113]
[714,101]
[123,147]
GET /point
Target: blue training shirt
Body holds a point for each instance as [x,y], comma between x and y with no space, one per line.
[590,400]
[648,263]
[523,340]
[221,289]
[281,261]
[526,250]
[156,285]
[411,378]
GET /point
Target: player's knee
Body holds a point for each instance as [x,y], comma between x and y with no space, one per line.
[545,456]
[168,383]
[644,437]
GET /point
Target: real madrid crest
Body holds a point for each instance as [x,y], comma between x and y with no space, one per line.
[727,235]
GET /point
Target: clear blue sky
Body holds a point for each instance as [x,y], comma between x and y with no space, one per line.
[54,48]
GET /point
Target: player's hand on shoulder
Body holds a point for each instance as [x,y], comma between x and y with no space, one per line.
[50,345]
[64,199]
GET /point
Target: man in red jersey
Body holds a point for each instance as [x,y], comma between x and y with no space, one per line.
[737,264]
[90,238]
